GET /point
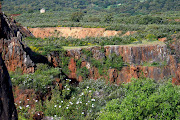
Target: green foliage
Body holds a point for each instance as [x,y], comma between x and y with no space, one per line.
[145,99]
[94,19]
[39,81]
[83,102]
[100,65]
[151,37]
[111,61]
[45,46]
[64,62]
[88,53]
[77,16]
[108,18]
[114,61]
[118,6]
[83,71]
[150,20]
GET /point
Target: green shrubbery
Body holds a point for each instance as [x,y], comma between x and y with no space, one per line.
[114,61]
[94,99]
[84,101]
[48,45]
[39,81]
[145,99]
[106,63]
[76,16]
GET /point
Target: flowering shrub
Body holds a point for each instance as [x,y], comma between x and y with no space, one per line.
[39,81]
[82,102]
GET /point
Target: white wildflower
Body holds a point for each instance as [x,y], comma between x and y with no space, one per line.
[59,106]
[93,100]
[27,105]
[82,94]
[55,105]
[83,113]
[77,102]
[92,105]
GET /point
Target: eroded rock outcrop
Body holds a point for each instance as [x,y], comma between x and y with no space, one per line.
[7,106]
[13,50]
[135,56]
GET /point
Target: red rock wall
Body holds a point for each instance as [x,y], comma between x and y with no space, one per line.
[139,53]
[132,55]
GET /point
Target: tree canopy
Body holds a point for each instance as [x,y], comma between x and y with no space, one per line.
[118,6]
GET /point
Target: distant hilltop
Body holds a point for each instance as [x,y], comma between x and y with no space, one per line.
[118,6]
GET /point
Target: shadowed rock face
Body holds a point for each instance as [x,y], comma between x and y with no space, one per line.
[7,107]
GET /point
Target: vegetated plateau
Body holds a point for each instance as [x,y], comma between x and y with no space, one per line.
[132,74]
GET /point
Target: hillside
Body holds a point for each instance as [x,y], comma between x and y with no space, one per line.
[83,91]
[77,73]
[118,6]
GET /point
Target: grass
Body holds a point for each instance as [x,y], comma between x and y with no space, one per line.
[144,42]
[76,47]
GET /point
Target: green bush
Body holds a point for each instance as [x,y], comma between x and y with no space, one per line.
[145,99]
[151,37]
[114,61]
[79,102]
[39,81]
[76,16]
[84,72]
[108,18]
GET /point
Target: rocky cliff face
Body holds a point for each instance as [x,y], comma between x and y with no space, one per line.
[7,107]
[13,50]
[136,57]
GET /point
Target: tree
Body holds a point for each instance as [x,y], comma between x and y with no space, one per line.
[108,18]
[77,16]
